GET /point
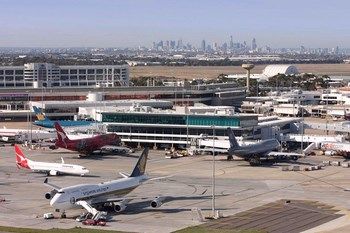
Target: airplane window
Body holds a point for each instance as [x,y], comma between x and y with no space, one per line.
[61,192]
[84,168]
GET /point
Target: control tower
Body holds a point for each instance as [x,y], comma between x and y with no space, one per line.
[248,67]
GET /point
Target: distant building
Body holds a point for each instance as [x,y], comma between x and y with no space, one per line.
[37,75]
[203,45]
[269,71]
[254,45]
[272,70]
[231,42]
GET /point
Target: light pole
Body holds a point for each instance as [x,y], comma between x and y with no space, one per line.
[213,178]
[30,120]
[28,112]
[187,112]
[302,131]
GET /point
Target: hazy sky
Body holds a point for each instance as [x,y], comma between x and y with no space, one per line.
[121,23]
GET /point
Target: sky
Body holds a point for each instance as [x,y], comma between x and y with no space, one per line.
[130,23]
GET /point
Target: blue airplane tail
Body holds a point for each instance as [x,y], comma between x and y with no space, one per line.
[233,141]
[140,166]
[39,114]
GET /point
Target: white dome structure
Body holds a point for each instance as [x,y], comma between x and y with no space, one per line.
[272,70]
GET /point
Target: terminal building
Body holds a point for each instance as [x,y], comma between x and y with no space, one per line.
[38,75]
[64,102]
[169,128]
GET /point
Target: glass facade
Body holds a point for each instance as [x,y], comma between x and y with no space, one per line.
[144,118]
[214,120]
[165,119]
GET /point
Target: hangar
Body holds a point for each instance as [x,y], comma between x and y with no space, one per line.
[272,70]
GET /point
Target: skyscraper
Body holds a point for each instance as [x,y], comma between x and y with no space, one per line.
[203,46]
[179,44]
[231,42]
[254,46]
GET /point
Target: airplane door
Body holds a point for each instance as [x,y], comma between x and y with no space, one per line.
[72,200]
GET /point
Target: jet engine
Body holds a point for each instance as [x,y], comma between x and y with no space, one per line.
[120,206]
[157,202]
[53,147]
[50,195]
[53,173]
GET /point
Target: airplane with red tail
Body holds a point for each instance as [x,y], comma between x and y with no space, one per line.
[104,143]
[52,169]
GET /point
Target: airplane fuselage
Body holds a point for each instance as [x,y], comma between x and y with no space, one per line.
[68,123]
[60,168]
[260,149]
[89,145]
[66,198]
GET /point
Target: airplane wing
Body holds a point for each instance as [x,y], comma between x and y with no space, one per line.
[208,149]
[55,187]
[276,154]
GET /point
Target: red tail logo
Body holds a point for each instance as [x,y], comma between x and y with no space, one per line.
[21,160]
[61,135]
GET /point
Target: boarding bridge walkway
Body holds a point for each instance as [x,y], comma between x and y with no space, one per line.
[312,138]
[345,128]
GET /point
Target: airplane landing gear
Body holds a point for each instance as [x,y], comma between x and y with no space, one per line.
[229,157]
[63,215]
[255,161]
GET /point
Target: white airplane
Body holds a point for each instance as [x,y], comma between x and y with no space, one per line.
[110,193]
[52,169]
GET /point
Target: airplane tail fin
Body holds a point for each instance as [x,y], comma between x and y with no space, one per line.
[39,114]
[140,166]
[21,160]
[61,135]
[233,141]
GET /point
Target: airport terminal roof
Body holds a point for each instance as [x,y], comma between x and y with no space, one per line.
[272,70]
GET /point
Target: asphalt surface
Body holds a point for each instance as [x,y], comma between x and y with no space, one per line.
[239,187]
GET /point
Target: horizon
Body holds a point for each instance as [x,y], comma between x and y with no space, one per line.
[129,24]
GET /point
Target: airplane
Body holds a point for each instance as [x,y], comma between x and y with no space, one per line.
[336,148]
[45,122]
[258,152]
[52,169]
[104,143]
[109,193]
[20,135]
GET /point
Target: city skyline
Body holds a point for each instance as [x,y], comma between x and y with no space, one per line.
[108,23]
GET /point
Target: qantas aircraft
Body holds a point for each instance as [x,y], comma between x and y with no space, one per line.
[110,193]
[52,169]
[104,143]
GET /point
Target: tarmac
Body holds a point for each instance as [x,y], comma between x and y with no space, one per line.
[239,187]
